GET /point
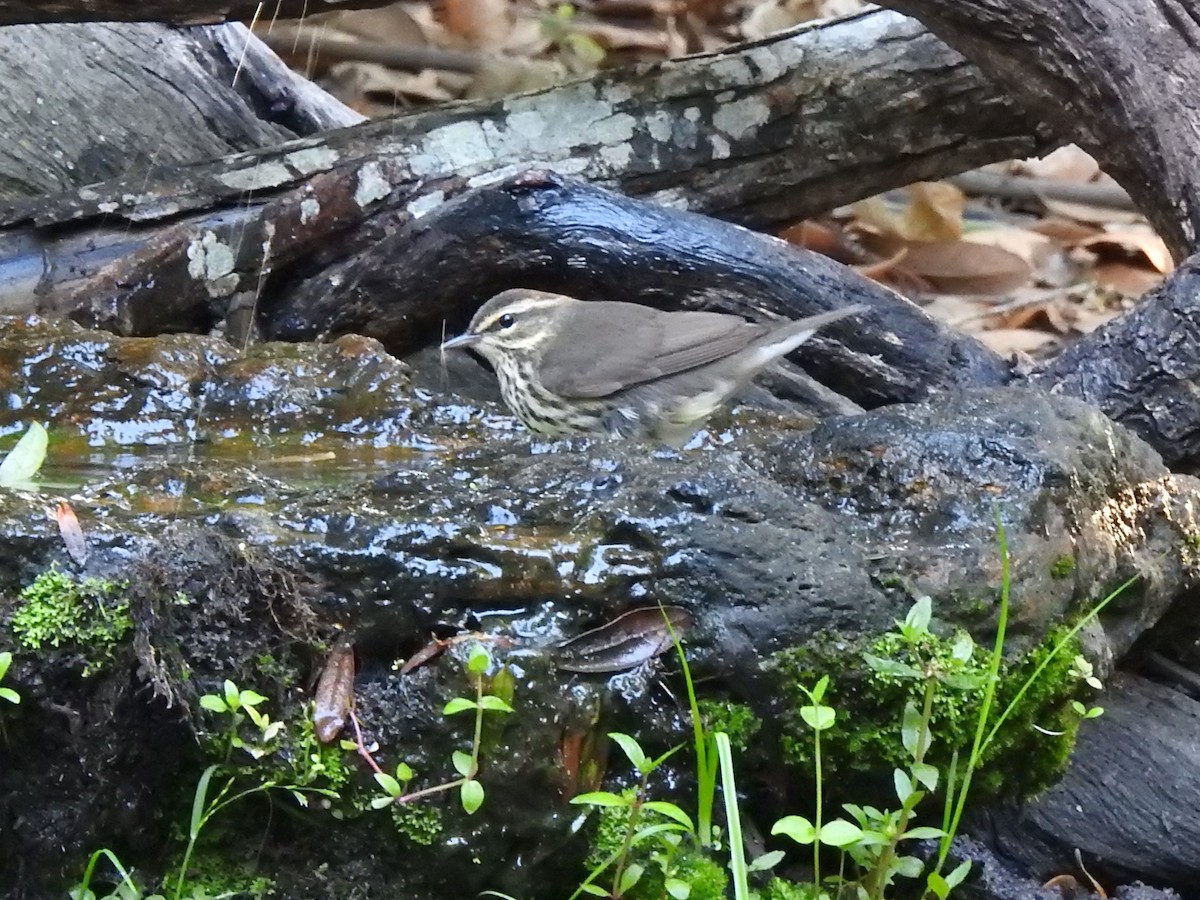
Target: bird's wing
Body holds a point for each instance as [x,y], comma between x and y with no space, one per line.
[617,348]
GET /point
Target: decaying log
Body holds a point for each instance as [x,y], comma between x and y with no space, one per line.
[174,247]
[178,12]
[1117,77]
[1142,368]
[79,107]
[538,231]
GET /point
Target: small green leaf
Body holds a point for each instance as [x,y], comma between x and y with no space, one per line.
[463,764]
[478,661]
[818,690]
[818,718]
[671,811]
[798,828]
[494,704]
[404,773]
[903,784]
[601,798]
[923,833]
[471,795]
[631,876]
[840,833]
[937,884]
[388,783]
[10,695]
[260,720]
[233,697]
[213,703]
[24,460]
[251,698]
[381,802]
[344,744]
[917,620]
[962,681]
[300,798]
[926,774]
[910,728]
[891,667]
[677,889]
[457,705]
[1094,712]
[633,751]
[766,861]
[5,662]
[594,890]
[955,878]
[908,866]
[964,647]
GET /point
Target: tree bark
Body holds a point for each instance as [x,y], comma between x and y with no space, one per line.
[79,107]
[178,12]
[716,133]
[1117,77]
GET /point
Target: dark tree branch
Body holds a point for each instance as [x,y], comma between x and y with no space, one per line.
[1115,76]
[176,12]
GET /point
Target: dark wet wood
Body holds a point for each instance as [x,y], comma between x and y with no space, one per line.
[177,12]
[1128,800]
[541,232]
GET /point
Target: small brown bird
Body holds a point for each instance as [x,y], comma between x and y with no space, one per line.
[568,366]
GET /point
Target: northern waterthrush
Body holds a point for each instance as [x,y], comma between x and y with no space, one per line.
[568,366]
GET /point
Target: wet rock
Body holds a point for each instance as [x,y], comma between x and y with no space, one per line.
[343,499]
[1128,801]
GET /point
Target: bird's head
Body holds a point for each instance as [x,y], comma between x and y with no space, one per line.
[513,323]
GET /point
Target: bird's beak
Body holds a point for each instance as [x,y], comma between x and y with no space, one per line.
[463,340]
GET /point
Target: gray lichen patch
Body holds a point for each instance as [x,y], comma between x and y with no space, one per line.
[212,260]
[372,185]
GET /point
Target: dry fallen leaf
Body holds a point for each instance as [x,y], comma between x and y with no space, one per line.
[72,533]
[482,23]
[1006,341]
[627,641]
[934,213]
[1132,240]
[1126,279]
[1069,163]
[961,267]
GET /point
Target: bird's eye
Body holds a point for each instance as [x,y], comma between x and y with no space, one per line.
[507,321]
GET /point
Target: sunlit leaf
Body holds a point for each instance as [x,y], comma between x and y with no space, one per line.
[471,795]
[213,703]
[632,750]
[457,705]
[671,811]
[600,798]
[464,765]
[818,718]
[24,460]
[798,828]
[388,783]
[840,833]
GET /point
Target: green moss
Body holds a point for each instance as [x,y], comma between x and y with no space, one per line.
[735,719]
[865,741]
[707,878]
[60,611]
[421,823]
[1062,567]
[778,889]
[212,874]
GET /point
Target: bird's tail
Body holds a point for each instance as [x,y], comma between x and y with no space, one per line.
[787,337]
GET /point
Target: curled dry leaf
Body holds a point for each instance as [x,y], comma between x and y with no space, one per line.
[72,533]
[335,693]
[1133,240]
[934,213]
[963,267]
[627,641]
[1068,163]
[482,23]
